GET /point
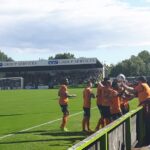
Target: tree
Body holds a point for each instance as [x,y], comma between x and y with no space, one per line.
[4,57]
[50,57]
[63,56]
[115,70]
[145,56]
[135,66]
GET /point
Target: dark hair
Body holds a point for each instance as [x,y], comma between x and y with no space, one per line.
[64,81]
[88,82]
[108,82]
[115,84]
[106,79]
[142,79]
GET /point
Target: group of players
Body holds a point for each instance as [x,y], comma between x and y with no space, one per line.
[112,100]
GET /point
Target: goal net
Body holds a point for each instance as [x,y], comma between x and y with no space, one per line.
[11,83]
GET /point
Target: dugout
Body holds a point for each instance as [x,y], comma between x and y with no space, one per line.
[47,73]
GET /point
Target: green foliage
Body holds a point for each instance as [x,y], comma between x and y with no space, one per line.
[4,57]
[135,66]
[145,56]
[62,56]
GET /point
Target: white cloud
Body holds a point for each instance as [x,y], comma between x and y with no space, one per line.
[21,54]
[77,12]
[125,44]
[43,26]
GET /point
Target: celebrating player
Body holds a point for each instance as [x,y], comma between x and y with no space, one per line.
[99,102]
[87,95]
[63,101]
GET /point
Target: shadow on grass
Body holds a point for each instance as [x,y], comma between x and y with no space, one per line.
[11,115]
[54,138]
[54,133]
[71,140]
[28,132]
[59,133]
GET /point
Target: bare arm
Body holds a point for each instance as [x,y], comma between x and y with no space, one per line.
[100,84]
[130,89]
[71,95]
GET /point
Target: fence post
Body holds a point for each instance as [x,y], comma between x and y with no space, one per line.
[128,134]
[104,142]
[140,128]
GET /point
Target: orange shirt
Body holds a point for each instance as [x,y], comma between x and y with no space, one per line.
[87,97]
[143,91]
[63,91]
[125,102]
[115,106]
[121,99]
[106,99]
[115,103]
[99,95]
[126,98]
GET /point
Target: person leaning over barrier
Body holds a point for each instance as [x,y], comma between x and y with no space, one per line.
[142,90]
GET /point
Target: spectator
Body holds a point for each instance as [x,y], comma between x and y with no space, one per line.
[142,90]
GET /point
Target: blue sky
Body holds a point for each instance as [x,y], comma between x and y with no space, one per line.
[111,30]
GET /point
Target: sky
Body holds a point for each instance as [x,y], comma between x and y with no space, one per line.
[111,30]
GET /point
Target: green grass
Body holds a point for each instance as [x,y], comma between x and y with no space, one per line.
[22,109]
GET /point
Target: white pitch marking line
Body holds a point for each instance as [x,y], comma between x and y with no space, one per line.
[46,123]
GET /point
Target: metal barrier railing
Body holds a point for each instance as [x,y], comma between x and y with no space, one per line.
[122,134]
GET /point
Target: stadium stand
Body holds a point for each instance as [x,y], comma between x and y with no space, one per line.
[48,73]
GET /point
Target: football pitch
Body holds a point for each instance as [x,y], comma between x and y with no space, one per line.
[30,120]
